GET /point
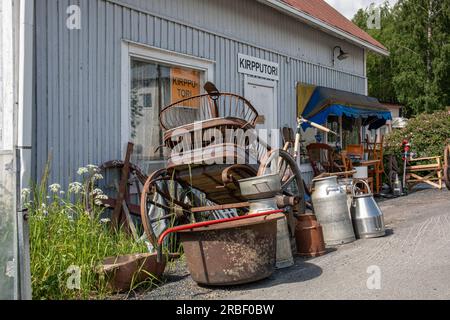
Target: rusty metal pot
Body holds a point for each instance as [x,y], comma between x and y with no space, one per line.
[232,253]
[309,236]
[125,271]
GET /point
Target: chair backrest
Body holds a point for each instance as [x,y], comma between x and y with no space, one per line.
[288,138]
[355,150]
[205,107]
[321,158]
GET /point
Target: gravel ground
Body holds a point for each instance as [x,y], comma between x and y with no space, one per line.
[413,260]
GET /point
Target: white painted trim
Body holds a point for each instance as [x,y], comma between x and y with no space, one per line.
[26,50]
[125,98]
[366,82]
[137,50]
[284,7]
[8,83]
[248,80]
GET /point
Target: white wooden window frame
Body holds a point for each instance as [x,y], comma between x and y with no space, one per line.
[144,52]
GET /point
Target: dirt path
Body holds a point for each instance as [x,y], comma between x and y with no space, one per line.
[413,261]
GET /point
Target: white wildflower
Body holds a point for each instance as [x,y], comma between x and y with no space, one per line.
[97,191]
[102,197]
[97,176]
[25,194]
[99,199]
[92,167]
[82,171]
[55,187]
[62,193]
[75,187]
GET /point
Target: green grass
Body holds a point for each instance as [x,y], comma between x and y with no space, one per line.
[66,230]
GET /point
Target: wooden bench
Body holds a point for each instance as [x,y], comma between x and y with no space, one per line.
[429,173]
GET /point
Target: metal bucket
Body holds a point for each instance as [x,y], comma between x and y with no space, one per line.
[361,172]
[330,206]
[260,187]
[367,216]
[232,253]
[309,236]
[284,251]
[261,193]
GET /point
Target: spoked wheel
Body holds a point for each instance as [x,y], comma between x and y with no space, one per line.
[281,162]
[165,203]
[447,166]
[112,173]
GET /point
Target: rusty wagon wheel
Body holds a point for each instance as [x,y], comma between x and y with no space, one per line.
[112,172]
[447,165]
[281,162]
[165,202]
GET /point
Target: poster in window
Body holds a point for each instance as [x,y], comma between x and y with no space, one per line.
[185,84]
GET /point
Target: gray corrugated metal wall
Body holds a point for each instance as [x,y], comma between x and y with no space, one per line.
[78,76]
[255,23]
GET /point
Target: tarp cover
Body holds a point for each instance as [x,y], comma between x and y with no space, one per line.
[317,103]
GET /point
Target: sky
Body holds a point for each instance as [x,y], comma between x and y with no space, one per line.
[349,7]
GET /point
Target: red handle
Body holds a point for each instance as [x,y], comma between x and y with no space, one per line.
[205,224]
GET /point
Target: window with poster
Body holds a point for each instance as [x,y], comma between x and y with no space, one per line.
[153,86]
[156,79]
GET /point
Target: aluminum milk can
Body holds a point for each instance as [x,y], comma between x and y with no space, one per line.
[330,206]
[367,217]
[347,185]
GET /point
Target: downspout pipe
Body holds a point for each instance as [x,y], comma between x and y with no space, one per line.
[24,136]
[25,98]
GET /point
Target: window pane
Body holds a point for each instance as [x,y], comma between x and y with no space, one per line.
[150,89]
[333,124]
[154,86]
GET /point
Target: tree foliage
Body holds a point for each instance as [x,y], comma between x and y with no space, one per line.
[417,72]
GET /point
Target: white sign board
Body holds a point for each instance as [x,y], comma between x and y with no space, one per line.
[258,67]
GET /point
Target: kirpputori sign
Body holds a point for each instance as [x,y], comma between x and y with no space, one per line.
[258,67]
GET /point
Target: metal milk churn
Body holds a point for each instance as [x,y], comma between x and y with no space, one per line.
[261,192]
[347,185]
[330,206]
[367,217]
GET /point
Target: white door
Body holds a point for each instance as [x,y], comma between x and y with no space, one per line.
[262,95]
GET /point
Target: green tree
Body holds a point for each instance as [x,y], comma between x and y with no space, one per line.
[416,74]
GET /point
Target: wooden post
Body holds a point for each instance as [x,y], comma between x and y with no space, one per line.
[117,213]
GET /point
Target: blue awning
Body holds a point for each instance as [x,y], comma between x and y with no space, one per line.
[317,103]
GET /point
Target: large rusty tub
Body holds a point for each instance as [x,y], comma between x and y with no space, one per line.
[233,252]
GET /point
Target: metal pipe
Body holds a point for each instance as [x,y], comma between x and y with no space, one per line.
[205,224]
[317,126]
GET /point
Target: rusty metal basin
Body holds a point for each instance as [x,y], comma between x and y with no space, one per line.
[125,271]
[232,253]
